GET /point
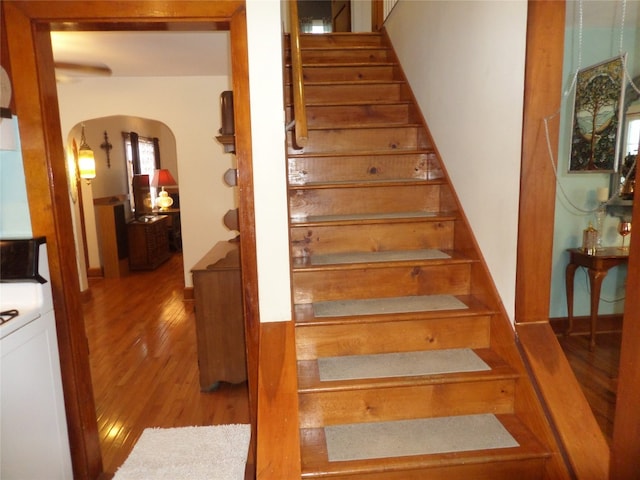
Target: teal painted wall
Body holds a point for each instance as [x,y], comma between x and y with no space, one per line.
[576,192]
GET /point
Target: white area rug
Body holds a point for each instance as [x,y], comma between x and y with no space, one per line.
[188,453]
[416,437]
[404,364]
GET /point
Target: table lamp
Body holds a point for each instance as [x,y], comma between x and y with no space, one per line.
[163,178]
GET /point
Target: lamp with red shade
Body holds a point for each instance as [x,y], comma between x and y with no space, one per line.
[163,178]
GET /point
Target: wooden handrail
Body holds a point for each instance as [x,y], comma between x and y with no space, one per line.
[299,110]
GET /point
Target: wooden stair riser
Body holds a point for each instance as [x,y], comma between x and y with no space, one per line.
[363,168]
[525,466]
[423,197]
[354,338]
[341,116]
[360,283]
[332,93]
[314,73]
[417,401]
[370,55]
[348,140]
[340,40]
[318,239]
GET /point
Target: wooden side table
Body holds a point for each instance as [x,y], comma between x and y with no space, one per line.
[597,265]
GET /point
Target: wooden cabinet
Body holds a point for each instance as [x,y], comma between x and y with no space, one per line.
[112,228]
[148,242]
[219,316]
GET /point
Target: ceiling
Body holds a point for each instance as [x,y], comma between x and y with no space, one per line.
[148,53]
[206,53]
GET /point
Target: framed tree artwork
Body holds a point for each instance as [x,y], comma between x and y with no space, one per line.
[597,117]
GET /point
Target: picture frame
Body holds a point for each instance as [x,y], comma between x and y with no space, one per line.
[598,117]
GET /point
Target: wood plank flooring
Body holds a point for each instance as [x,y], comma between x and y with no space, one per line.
[143,360]
[142,343]
[597,372]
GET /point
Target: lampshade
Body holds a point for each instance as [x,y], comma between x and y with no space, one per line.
[86,160]
[163,178]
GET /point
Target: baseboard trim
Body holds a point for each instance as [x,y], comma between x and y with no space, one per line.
[582,325]
[85,295]
[95,272]
[188,294]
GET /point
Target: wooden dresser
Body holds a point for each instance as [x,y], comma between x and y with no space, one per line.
[219,316]
[148,243]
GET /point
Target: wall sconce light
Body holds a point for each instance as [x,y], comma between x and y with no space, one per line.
[86,160]
[163,178]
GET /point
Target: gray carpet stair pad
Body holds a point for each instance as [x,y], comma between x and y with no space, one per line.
[425,436]
[408,304]
[430,362]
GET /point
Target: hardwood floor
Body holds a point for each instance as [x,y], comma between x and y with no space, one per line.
[142,342]
[597,372]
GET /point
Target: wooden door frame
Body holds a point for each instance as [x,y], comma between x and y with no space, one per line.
[28,26]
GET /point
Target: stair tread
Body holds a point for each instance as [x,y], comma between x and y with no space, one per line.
[354,83]
[309,372]
[340,260]
[364,153]
[365,183]
[367,126]
[304,314]
[315,453]
[371,218]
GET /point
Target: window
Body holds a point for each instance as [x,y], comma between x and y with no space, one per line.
[143,158]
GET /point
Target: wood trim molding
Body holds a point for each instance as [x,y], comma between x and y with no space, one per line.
[278,409]
[542,96]
[625,445]
[582,438]
[28,24]
[188,294]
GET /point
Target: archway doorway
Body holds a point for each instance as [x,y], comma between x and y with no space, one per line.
[28,26]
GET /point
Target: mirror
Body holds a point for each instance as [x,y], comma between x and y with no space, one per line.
[623,181]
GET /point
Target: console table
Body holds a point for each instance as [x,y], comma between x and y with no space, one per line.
[597,265]
[217,287]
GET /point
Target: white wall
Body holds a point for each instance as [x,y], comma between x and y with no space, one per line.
[465,63]
[190,107]
[269,164]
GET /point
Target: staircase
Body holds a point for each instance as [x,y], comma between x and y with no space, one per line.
[407,365]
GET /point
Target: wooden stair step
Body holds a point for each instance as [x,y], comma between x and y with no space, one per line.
[393,305]
[309,371]
[346,72]
[370,218]
[362,235]
[340,39]
[305,169]
[304,315]
[357,115]
[342,92]
[388,331]
[358,54]
[390,138]
[371,282]
[357,260]
[524,461]
[388,256]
